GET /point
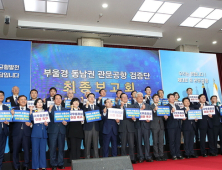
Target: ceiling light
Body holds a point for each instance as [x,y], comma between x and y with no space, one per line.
[56,7]
[214,42]
[179,39]
[142,16]
[1,5]
[190,22]
[216,14]
[104,5]
[169,8]
[34,6]
[160,18]
[201,12]
[205,23]
[150,6]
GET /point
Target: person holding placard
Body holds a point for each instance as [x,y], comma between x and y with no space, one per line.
[217,124]
[157,128]
[75,132]
[52,93]
[82,98]
[127,129]
[39,138]
[148,97]
[3,129]
[57,132]
[206,128]
[174,129]
[133,97]
[70,96]
[163,100]
[118,93]
[21,133]
[91,129]
[188,128]
[33,94]
[110,130]
[142,129]
[177,96]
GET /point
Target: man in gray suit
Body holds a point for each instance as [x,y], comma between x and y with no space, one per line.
[142,130]
[157,127]
[126,129]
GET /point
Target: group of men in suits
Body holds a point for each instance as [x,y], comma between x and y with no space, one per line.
[130,131]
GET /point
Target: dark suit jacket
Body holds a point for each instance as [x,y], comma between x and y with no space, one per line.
[56,127]
[109,125]
[171,122]
[143,123]
[16,127]
[89,126]
[157,120]
[39,130]
[5,130]
[206,121]
[217,117]
[13,104]
[101,107]
[45,107]
[127,124]
[188,124]
[147,101]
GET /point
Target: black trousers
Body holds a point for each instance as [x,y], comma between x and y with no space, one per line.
[174,141]
[210,134]
[217,132]
[75,148]
[188,141]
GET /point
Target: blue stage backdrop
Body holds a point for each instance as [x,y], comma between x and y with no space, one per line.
[92,68]
[15,66]
[181,70]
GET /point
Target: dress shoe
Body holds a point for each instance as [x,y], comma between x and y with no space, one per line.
[212,154]
[193,156]
[17,169]
[158,159]
[133,162]
[61,167]
[163,158]
[54,168]
[204,155]
[174,158]
[140,160]
[187,157]
[25,168]
[180,157]
[149,160]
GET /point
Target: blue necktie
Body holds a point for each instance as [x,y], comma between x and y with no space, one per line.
[91,107]
[16,98]
[57,108]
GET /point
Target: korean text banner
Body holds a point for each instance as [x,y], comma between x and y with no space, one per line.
[91,68]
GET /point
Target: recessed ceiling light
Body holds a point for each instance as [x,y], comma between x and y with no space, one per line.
[169,8]
[160,18]
[216,14]
[1,5]
[205,23]
[57,7]
[150,6]
[214,42]
[104,5]
[179,39]
[190,22]
[142,16]
[201,12]
[34,6]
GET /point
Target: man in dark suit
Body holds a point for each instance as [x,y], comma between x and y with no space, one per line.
[142,131]
[174,129]
[157,127]
[91,129]
[21,133]
[33,94]
[3,129]
[127,129]
[148,97]
[188,128]
[118,93]
[14,103]
[133,97]
[52,93]
[57,132]
[217,124]
[110,130]
[206,128]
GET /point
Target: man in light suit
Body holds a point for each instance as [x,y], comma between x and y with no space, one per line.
[57,132]
[157,127]
[142,131]
[21,132]
[3,129]
[127,129]
[52,93]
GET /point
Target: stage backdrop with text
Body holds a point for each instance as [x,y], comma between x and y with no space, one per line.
[181,70]
[91,68]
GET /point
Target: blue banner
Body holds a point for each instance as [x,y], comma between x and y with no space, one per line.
[194,114]
[61,116]
[93,116]
[5,115]
[163,110]
[164,101]
[8,104]
[21,116]
[110,98]
[67,104]
[221,110]
[130,112]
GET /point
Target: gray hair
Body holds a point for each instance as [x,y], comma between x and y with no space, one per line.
[15,86]
[139,93]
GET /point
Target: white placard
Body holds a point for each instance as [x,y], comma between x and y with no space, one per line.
[30,104]
[85,100]
[208,110]
[146,115]
[49,103]
[115,113]
[179,114]
[76,115]
[41,117]
[180,104]
[193,98]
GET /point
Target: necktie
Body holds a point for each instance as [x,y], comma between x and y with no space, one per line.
[22,123]
[57,108]
[2,126]
[91,107]
[140,105]
[124,105]
[16,98]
